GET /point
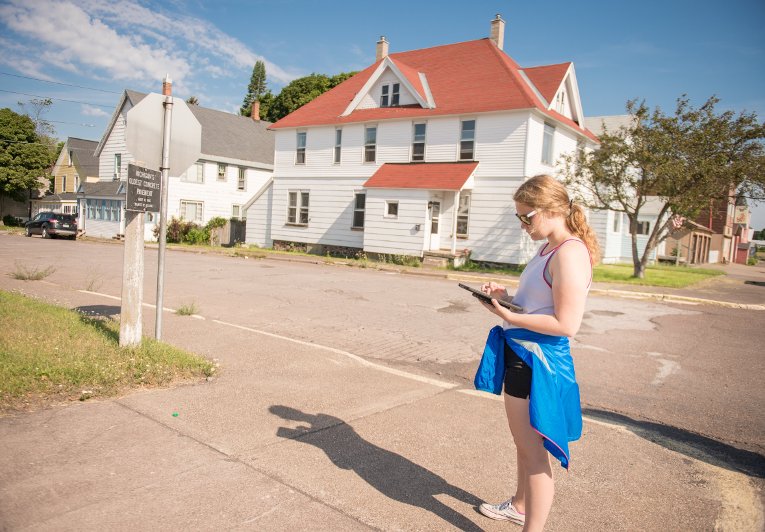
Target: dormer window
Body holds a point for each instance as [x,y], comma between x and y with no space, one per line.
[390,95]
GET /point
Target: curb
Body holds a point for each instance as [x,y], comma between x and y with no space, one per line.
[673,298]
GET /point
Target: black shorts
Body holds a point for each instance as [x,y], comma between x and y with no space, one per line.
[517,375]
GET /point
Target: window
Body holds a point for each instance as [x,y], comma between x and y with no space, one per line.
[116,210]
[221,172]
[63,183]
[76,182]
[418,143]
[237,212]
[547,144]
[467,140]
[370,144]
[67,209]
[359,205]
[560,102]
[390,95]
[102,210]
[300,153]
[617,228]
[117,165]
[463,213]
[191,211]
[297,208]
[391,209]
[71,156]
[338,144]
[90,209]
[242,181]
[195,174]
[643,228]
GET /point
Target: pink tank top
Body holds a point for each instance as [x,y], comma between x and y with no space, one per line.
[534,292]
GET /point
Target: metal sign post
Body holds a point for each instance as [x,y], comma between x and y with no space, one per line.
[168,122]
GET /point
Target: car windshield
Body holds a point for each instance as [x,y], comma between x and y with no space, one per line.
[64,218]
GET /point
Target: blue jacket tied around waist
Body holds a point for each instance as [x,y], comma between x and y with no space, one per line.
[554,407]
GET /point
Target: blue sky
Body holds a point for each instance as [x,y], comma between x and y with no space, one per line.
[653,50]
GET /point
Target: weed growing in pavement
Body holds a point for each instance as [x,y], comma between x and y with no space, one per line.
[31,273]
[187,310]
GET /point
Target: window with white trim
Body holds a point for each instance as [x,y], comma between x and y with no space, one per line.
[418,142]
[338,145]
[463,214]
[467,140]
[117,165]
[221,172]
[617,227]
[385,96]
[71,157]
[297,207]
[195,174]
[643,228]
[359,206]
[300,150]
[391,209]
[370,144]
[63,183]
[547,143]
[191,211]
[241,183]
[237,213]
[394,97]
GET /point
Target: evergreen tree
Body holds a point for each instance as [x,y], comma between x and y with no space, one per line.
[256,89]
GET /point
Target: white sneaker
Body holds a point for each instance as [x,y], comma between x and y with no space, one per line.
[504,511]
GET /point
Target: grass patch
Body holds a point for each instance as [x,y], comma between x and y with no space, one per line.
[31,273]
[477,267]
[49,354]
[187,310]
[666,276]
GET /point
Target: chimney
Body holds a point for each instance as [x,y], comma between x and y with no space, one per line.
[498,31]
[382,48]
[167,86]
[255,111]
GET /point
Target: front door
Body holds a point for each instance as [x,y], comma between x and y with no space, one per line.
[434,215]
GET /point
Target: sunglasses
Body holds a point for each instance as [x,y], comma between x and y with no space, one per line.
[526,218]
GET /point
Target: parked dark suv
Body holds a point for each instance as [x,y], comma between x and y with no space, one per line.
[51,224]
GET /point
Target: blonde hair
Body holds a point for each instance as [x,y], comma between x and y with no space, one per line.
[545,193]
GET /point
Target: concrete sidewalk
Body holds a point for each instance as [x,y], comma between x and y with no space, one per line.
[296,435]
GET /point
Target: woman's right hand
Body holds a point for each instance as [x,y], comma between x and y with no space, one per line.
[496,291]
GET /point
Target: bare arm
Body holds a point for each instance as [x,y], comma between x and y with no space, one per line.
[570,270]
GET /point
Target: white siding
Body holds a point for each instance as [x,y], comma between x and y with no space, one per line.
[259,217]
[217,196]
[330,213]
[563,142]
[115,143]
[397,236]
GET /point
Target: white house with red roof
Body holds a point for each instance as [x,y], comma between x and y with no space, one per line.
[420,153]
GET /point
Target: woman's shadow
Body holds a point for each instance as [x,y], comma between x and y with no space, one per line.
[389,473]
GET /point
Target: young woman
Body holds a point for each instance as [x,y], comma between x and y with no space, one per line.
[541,395]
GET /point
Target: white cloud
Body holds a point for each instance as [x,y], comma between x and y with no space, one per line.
[89,110]
[123,41]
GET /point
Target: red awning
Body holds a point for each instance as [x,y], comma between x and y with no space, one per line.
[430,176]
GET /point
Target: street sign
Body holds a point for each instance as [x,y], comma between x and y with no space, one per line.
[144,134]
[144,188]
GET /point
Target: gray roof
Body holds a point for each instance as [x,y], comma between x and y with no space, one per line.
[65,196]
[612,123]
[102,188]
[223,134]
[84,155]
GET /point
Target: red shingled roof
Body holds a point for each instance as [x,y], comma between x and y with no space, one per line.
[547,79]
[464,78]
[431,176]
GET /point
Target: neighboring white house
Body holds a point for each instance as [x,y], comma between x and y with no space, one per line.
[612,227]
[421,152]
[236,160]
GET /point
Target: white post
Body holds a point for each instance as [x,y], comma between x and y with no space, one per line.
[132,281]
[454,221]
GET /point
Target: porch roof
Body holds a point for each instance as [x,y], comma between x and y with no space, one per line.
[429,176]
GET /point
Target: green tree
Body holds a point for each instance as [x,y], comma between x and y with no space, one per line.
[680,161]
[256,89]
[24,156]
[192,100]
[301,91]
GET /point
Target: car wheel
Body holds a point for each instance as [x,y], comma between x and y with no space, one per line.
[44,232]
[29,231]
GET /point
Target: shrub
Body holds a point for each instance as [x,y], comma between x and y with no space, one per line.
[11,221]
[197,235]
[176,230]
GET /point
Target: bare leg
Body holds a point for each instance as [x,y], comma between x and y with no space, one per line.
[519,499]
[540,488]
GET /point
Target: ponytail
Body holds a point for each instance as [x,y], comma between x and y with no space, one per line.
[577,224]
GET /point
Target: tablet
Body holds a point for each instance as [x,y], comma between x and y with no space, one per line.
[487,298]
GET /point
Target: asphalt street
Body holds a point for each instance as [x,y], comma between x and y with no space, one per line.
[665,383]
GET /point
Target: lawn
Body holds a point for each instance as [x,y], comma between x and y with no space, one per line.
[49,354]
[667,276]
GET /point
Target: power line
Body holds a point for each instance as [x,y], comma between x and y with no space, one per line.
[59,99]
[59,83]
